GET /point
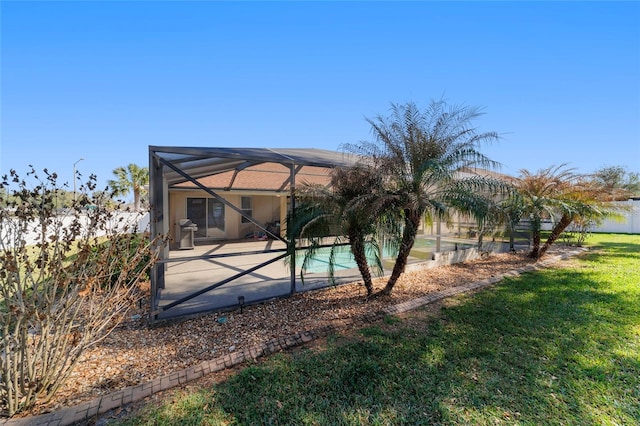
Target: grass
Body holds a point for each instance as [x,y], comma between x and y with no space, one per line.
[559,346]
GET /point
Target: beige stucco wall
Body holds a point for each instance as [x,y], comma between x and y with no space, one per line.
[266,208]
[178,209]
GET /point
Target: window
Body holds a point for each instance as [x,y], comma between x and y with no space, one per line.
[246,205]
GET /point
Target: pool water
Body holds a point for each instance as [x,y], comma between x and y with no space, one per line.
[343,259]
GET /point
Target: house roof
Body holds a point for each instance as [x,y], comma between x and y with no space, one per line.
[253,169]
[263,177]
[245,168]
[489,174]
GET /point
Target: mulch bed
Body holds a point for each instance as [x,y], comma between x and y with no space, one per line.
[135,353]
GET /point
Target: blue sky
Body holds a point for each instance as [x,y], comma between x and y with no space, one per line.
[104,80]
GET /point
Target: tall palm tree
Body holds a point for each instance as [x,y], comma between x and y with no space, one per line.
[133,178]
[428,157]
[341,212]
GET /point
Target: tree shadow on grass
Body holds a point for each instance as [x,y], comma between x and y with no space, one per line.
[620,248]
[554,347]
[552,350]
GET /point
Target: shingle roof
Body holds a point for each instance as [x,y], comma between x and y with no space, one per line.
[262,177]
[179,163]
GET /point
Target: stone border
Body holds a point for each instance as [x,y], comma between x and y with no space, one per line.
[101,405]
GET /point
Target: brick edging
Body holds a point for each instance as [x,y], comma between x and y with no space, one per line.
[90,409]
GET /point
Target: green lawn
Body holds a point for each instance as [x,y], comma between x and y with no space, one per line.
[551,347]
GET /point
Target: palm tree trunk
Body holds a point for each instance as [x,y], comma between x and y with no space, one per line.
[535,250]
[408,238]
[360,256]
[512,238]
[136,199]
[564,222]
[535,236]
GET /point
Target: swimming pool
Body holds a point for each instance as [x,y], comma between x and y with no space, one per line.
[343,259]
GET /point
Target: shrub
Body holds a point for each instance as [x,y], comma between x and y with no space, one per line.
[65,283]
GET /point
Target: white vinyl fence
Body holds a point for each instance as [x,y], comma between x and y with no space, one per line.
[120,222]
[630,224]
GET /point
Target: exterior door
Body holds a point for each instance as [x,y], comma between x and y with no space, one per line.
[208,214]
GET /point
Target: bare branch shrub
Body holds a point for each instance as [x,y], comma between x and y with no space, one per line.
[579,230]
[66,280]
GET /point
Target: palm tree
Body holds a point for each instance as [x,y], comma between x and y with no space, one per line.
[544,194]
[132,178]
[428,157]
[484,207]
[557,193]
[584,200]
[512,209]
[486,214]
[341,211]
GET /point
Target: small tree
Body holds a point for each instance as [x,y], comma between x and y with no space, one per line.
[543,193]
[616,183]
[512,209]
[65,282]
[483,207]
[585,203]
[560,195]
[579,230]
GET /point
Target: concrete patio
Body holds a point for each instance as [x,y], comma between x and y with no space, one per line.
[188,273]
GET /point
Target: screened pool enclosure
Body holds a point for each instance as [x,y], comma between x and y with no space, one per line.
[224,211]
